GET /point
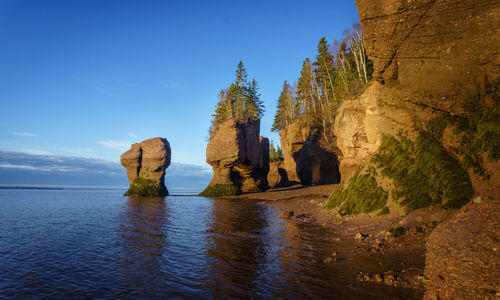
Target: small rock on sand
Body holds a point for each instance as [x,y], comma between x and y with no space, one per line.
[286,214]
[329,260]
[360,236]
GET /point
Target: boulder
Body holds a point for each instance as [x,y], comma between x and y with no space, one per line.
[239,157]
[146,163]
[308,158]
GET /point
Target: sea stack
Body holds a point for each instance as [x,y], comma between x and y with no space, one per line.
[239,157]
[146,163]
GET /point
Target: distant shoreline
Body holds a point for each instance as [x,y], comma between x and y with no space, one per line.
[28,188]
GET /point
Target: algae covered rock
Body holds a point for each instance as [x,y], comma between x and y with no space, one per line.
[146,163]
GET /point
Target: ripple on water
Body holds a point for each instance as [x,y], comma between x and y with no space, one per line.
[87,243]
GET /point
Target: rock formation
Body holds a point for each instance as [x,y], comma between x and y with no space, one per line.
[462,254]
[146,163]
[308,159]
[277,176]
[426,132]
[239,157]
[436,69]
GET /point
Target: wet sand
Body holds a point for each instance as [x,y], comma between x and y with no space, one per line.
[400,260]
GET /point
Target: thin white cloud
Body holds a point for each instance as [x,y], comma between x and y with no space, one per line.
[131,134]
[81,165]
[23,133]
[116,145]
[35,151]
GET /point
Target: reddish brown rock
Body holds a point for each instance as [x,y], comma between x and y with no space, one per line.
[277,176]
[462,254]
[146,163]
[431,46]
[428,57]
[308,158]
[239,157]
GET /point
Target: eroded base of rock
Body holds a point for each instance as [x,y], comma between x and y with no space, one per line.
[221,190]
[146,188]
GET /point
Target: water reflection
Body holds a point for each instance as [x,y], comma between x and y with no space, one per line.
[99,244]
[236,249]
[143,239]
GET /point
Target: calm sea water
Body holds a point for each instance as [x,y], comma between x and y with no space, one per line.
[100,244]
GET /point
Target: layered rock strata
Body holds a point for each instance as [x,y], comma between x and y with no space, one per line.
[146,163]
[426,132]
[239,157]
[430,59]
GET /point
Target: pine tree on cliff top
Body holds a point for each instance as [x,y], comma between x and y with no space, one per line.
[241,101]
[325,72]
[286,109]
[307,93]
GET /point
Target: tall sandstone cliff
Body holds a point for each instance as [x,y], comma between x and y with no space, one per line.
[436,83]
[239,157]
[427,132]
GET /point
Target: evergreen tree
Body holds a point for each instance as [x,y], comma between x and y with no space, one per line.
[339,71]
[254,108]
[275,154]
[241,101]
[239,91]
[307,92]
[286,109]
[325,71]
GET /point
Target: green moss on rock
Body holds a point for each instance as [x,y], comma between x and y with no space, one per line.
[384,211]
[397,231]
[221,190]
[146,188]
[479,128]
[362,195]
[423,172]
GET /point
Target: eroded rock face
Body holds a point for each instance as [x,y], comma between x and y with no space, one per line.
[146,163]
[307,158]
[239,157]
[361,122]
[462,254]
[277,176]
[430,46]
[428,57]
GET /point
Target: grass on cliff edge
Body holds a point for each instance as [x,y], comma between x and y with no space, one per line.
[221,190]
[362,195]
[145,188]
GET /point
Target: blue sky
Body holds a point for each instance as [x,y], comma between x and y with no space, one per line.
[88,78]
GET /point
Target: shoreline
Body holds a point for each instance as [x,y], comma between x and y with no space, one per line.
[401,258]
